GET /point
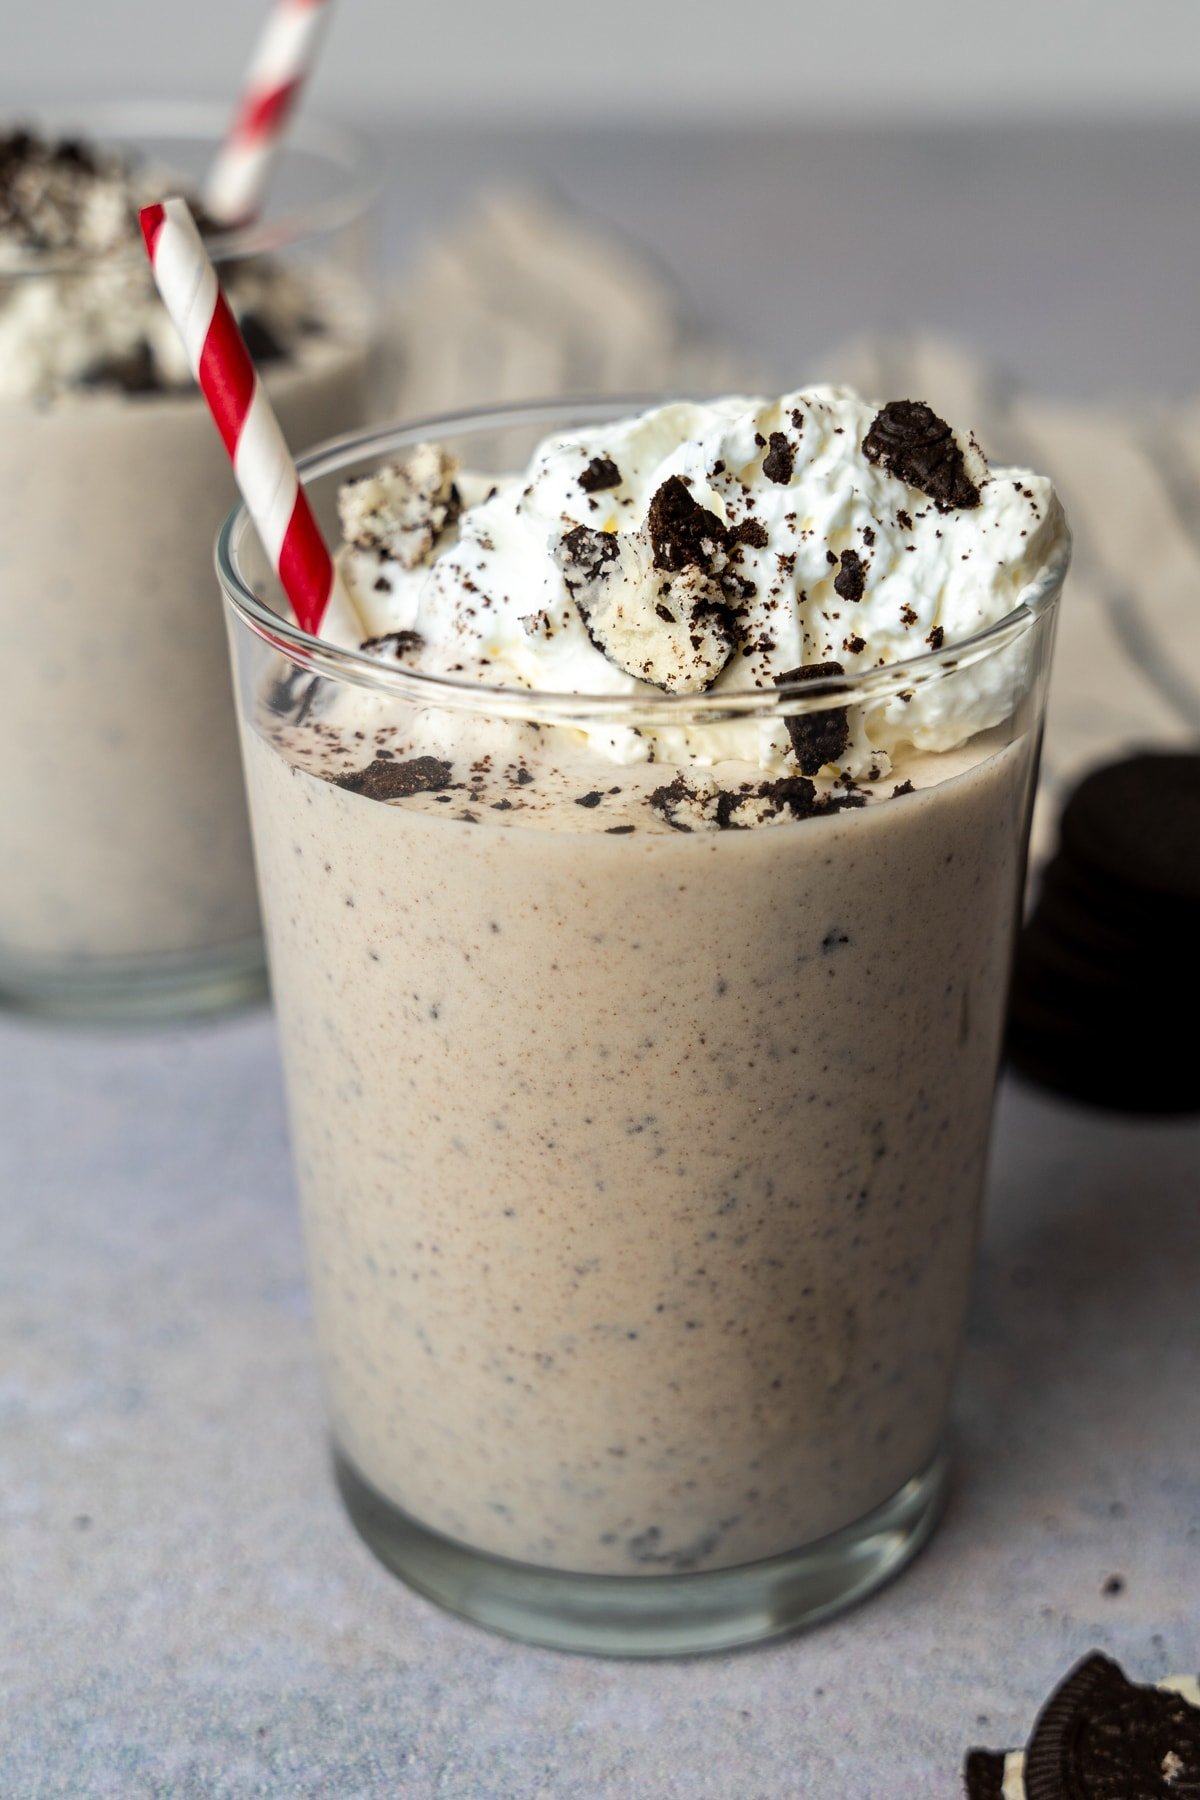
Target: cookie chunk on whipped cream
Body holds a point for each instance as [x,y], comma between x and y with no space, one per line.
[704,549]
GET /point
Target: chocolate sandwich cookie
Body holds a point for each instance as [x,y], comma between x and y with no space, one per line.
[1108,968]
[984,1774]
[1100,1737]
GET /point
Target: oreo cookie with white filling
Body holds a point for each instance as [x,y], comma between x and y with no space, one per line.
[1108,969]
[1100,1736]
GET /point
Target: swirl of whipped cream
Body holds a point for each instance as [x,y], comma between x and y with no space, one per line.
[713,548]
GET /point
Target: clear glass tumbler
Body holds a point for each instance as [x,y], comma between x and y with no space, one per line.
[641,1167]
[128,884]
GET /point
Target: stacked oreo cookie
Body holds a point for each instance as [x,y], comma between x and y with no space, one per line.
[1107,981]
[1099,1737]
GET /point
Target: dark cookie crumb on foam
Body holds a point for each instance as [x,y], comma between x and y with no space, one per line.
[851,578]
[684,807]
[683,533]
[667,799]
[780,459]
[908,439]
[752,532]
[600,474]
[791,793]
[819,737]
[387,780]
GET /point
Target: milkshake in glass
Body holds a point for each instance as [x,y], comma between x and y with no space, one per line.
[129,886]
[640,896]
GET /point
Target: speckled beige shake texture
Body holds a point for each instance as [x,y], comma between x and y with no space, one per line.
[641,1169]
[124,826]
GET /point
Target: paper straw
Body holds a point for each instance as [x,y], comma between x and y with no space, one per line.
[262,463]
[282,62]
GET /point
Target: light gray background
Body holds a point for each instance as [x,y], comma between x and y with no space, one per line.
[707,62]
[183,1610]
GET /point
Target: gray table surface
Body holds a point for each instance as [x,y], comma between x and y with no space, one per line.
[183,1610]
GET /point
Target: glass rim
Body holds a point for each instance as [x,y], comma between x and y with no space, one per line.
[102,122]
[461,694]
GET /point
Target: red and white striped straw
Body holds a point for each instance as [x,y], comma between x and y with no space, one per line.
[262,463]
[282,62]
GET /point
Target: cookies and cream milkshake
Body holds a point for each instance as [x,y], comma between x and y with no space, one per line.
[641,1046]
[126,849]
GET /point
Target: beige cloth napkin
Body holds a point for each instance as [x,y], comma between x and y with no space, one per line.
[523,298]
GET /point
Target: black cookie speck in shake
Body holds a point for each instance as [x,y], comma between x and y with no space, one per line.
[640,895]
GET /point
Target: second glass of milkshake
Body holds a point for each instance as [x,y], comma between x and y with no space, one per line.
[128,888]
[640,894]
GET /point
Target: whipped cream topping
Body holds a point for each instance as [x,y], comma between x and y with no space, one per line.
[705,549]
[78,307]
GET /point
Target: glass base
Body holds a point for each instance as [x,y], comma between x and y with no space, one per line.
[654,1615]
[136,990]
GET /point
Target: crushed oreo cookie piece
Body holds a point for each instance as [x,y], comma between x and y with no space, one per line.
[901,788]
[791,793]
[589,800]
[700,805]
[937,637]
[585,555]
[752,532]
[385,779]
[261,341]
[681,805]
[765,801]
[817,738]
[133,371]
[683,533]
[600,474]
[909,440]
[399,643]
[674,630]
[780,459]
[294,695]
[851,578]
[405,508]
